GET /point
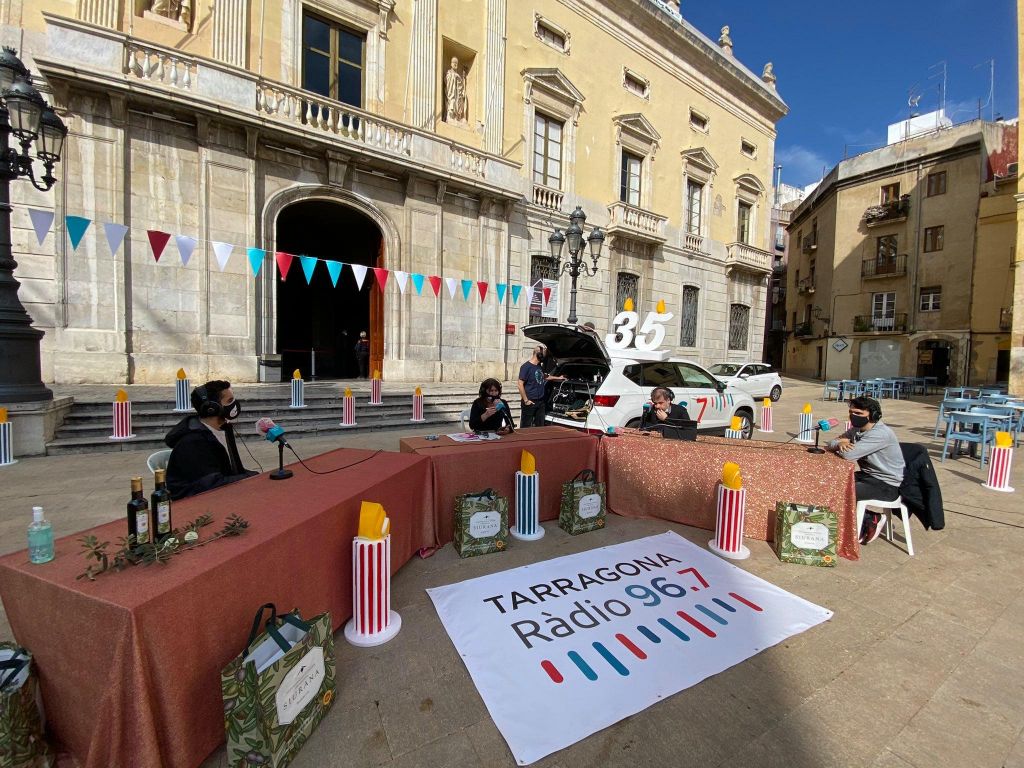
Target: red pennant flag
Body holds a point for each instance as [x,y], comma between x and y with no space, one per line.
[284,263]
[435,283]
[547,295]
[382,277]
[482,287]
[158,241]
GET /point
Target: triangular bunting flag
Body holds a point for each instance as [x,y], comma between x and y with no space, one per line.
[334,270]
[255,259]
[186,245]
[308,265]
[402,278]
[223,253]
[452,284]
[284,263]
[482,287]
[360,272]
[417,282]
[41,222]
[516,290]
[435,283]
[157,241]
[547,296]
[115,236]
[76,226]
[467,286]
[501,288]
[382,277]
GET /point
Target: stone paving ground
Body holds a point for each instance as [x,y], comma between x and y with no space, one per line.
[922,665]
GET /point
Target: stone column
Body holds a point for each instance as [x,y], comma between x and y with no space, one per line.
[494,79]
[423,64]
[102,12]
[230,31]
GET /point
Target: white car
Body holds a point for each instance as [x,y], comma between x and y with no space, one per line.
[608,388]
[759,380]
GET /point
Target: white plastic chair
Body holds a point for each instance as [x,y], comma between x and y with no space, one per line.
[886,508]
[158,460]
[464,418]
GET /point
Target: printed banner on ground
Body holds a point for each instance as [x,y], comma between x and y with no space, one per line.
[566,647]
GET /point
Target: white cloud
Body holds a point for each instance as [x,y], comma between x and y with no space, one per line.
[800,165]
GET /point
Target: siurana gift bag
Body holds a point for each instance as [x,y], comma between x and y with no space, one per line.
[481,523]
[583,504]
[278,689]
[21,727]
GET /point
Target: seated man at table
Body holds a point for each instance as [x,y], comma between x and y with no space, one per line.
[204,454]
[662,413]
[490,412]
[875,448]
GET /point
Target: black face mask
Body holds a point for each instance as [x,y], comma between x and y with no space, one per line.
[232,411]
[858,421]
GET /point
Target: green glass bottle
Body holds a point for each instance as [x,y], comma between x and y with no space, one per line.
[138,514]
[160,504]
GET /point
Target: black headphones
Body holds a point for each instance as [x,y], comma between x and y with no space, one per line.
[204,406]
[668,393]
[872,406]
[487,384]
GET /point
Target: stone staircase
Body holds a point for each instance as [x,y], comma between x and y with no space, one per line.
[88,426]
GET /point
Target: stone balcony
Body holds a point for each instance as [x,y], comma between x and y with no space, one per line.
[748,258]
[637,224]
[694,243]
[548,198]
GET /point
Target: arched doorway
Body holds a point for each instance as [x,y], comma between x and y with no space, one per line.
[935,358]
[321,316]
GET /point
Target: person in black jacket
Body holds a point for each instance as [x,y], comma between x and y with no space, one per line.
[204,454]
[489,412]
[663,412]
[920,489]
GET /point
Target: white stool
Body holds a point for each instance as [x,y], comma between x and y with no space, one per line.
[886,508]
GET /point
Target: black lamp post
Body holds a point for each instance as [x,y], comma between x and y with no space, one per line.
[25,115]
[575,266]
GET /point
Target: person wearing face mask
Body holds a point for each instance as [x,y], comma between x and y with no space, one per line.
[876,450]
[204,454]
[531,382]
[489,412]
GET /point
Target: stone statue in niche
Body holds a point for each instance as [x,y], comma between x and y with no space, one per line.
[768,75]
[175,10]
[455,103]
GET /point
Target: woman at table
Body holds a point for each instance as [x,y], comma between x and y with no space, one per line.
[489,412]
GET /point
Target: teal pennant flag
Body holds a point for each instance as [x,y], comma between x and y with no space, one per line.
[467,286]
[516,290]
[308,265]
[255,259]
[500,288]
[334,270]
[76,226]
[417,281]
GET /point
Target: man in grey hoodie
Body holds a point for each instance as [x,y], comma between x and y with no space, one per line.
[877,451]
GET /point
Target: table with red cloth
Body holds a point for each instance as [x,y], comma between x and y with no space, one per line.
[678,480]
[130,663]
[459,468]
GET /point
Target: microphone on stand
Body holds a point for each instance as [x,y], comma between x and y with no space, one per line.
[275,434]
[505,415]
[825,425]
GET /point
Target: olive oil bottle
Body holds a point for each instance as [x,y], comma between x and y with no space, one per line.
[138,514]
[160,503]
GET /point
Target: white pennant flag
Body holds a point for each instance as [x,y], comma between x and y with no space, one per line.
[360,272]
[115,236]
[186,245]
[452,284]
[41,222]
[223,253]
[401,278]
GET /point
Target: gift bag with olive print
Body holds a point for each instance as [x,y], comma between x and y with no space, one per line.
[481,523]
[278,689]
[805,534]
[21,727]
[583,504]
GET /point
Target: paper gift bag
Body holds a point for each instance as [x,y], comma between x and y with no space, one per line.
[583,504]
[805,534]
[278,689]
[481,523]
[21,727]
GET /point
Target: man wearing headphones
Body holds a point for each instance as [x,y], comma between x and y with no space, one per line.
[662,412]
[877,450]
[203,450]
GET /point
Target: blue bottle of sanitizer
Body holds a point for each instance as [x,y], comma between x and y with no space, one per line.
[40,538]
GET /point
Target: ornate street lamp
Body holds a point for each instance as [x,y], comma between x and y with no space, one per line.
[575,265]
[25,115]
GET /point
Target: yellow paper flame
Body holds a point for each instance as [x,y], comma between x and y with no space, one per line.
[1004,440]
[418,392]
[767,403]
[731,477]
[3,415]
[296,374]
[527,464]
[376,374]
[807,407]
[181,373]
[373,521]
[121,396]
[627,305]
[348,392]
[736,424]
[661,307]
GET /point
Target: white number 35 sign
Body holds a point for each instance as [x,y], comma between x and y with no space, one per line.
[648,338]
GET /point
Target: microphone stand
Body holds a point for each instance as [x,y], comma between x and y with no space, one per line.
[280,473]
[816,449]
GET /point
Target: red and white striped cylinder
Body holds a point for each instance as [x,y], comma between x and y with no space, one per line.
[6,445]
[417,408]
[766,419]
[373,622]
[122,420]
[731,514]
[348,410]
[848,427]
[734,434]
[298,393]
[806,434]
[375,392]
[1000,461]
[182,403]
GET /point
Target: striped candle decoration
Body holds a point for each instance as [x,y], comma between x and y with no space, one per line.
[766,416]
[6,440]
[417,406]
[348,409]
[1000,460]
[122,417]
[182,389]
[806,434]
[527,526]
[298,390]
[375,398]
[731,514]
[373,622]
[849,426]
[734,434]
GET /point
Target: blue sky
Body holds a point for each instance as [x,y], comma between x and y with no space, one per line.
[845,68]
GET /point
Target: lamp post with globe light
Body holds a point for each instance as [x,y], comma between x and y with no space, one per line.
[575,265]
[34,125]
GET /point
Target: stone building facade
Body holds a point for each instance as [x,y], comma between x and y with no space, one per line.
[436,138]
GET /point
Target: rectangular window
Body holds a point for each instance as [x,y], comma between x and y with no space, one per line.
[332,60]
[747,148]
[548,34]
[936,183]
[931,299]
[739,320]
[890,193]
[780,238]
[933,237]
[885,254]
[688,327]
[698,121]
[634,83]
[547,151]
[694,201]
[541,268]
[629,182]
[743,222]
[883,311]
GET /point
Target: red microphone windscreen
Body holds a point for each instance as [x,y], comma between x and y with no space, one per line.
[833,422]
[264,425]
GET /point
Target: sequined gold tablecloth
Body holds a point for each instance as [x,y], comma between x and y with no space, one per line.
[678,480]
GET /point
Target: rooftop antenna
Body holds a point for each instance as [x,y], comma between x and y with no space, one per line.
[991,103]
[942,89]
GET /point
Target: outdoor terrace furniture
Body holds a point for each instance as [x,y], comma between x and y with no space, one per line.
[849,388]
[950,404]
[832,386]
[977,428]
[886,508]
[951,392]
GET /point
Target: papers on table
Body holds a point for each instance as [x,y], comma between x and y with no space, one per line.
[474,437]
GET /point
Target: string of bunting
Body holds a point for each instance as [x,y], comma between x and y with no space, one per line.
[77,226]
